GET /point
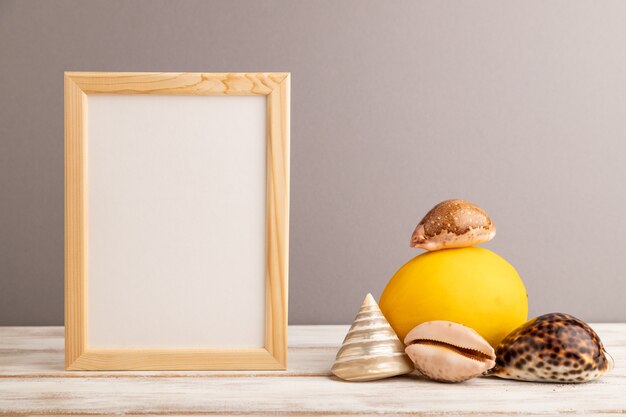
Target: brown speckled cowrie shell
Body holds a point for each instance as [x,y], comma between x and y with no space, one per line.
[552,348]
[448,352]
[453,224]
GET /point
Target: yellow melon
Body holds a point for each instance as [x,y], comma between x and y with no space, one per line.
[471,286]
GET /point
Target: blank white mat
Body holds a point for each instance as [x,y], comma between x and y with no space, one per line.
[176,221]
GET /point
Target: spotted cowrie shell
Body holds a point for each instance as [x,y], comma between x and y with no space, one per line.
[448,352]
[554,347]
[453,224]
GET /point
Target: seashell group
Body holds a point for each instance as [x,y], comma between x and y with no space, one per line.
[448,352]
[371,350]
[453,224]
[552,348]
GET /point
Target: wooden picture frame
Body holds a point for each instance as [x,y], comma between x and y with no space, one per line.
[79,354]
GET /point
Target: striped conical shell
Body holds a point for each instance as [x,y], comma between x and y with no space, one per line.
[371,349]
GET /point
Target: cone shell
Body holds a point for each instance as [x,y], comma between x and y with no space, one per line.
[371,350]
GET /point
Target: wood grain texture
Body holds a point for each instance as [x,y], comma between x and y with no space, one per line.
[175,359]
[277,226]
[178,83]
[75,221]
[275,86]
[33,382]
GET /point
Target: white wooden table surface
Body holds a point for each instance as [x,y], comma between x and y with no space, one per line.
[33,383]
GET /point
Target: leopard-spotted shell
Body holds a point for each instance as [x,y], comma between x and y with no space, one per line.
[554,347]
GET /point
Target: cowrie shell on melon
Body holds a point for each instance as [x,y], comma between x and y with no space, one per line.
[453,224]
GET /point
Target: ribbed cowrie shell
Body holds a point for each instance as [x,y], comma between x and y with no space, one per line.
[448,352]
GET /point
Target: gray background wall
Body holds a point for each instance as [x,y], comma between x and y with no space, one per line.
[518,106]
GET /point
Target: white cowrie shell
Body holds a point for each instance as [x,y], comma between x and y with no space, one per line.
[448,352]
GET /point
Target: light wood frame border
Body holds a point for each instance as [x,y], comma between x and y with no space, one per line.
[275,86]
